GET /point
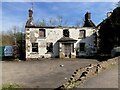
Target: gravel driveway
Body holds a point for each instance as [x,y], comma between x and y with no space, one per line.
[45,73]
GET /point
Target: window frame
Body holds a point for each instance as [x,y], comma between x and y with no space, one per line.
[34,47]
[66,31]
[43,31]
[48,46]
[84,34]
[82,49]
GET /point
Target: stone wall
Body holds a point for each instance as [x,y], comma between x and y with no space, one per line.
[52,35]
[82,74]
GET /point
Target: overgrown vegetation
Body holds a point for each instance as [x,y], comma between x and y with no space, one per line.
[109,33]
[14,37]
[10,87]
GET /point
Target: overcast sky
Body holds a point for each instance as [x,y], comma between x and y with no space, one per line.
[16,13]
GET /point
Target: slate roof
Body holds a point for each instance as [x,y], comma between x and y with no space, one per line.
[66,39]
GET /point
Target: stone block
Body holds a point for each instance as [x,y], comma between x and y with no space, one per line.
[62,55]
[81,74]
[73,56]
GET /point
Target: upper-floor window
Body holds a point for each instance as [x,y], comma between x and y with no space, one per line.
[41,32]
[66,33]
[82,34]
[27,29]
[34,47]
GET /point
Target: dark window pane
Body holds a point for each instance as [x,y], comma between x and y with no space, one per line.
[82,46]
[49,47]
[34,47]
[66,33]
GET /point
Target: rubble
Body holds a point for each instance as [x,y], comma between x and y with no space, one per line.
[62,65]
[82,74]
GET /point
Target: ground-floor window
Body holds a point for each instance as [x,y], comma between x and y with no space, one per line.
[82,46]
[49,47]
[34,47]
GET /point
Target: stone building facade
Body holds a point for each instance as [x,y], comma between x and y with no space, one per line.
[61,42]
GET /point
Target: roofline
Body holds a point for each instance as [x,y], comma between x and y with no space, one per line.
[103,21]
[39,27]
[56,27]
[51,27]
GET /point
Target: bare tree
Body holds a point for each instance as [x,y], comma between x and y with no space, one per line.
[56,21]
[15,31]
[7,38]
[43,22]
[61,21]
[77,23]
[118,4]
[80,22]
[52,22]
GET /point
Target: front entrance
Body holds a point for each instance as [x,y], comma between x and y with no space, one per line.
[66,47]
[67,50]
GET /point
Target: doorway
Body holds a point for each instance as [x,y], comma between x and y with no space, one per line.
[67,50]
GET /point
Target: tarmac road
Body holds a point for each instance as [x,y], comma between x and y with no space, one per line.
[106,79]
[45,73]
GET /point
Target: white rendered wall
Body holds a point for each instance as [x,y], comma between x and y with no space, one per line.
[53,35]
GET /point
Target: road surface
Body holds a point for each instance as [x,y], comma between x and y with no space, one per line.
[106,79]
[41,74]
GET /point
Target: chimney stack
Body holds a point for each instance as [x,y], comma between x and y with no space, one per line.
[30,18]
[88,16]
[30,13]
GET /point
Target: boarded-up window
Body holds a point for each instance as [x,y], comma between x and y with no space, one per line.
[49,47]
[34,47]
[41,32]
[82,46]
[82,34]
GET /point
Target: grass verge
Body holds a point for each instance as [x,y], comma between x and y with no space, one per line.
[10,87]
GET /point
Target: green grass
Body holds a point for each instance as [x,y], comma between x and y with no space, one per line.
[10,87]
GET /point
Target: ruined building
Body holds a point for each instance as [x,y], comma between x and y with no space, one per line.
[61,42]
